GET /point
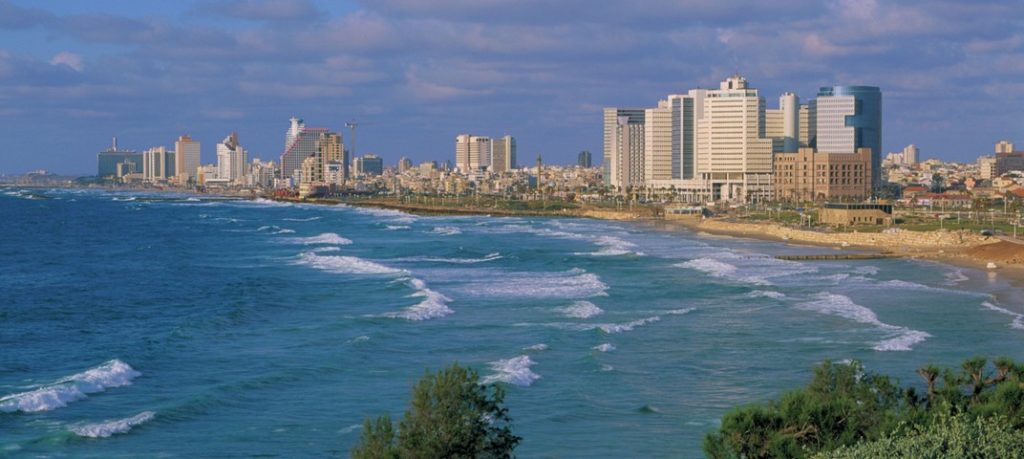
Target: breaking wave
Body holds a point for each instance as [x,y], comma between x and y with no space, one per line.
[752,269]
[575,283]
[1018,319]
[515,371]
[490,257]
[536,347]
[432,306]
[766,294]
[114,373]
[301,219]
[340,264]
[108,428]
[580,310]
[843,306]
[396,227]
[606,347]
[324,238]
[446,230]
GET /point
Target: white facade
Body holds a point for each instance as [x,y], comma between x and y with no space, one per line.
[472,153]
[157,164]
[231,159]
[834,136]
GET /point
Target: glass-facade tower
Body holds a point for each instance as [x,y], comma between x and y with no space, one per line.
[848,118]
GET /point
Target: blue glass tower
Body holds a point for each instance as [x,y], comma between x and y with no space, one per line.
[848,118]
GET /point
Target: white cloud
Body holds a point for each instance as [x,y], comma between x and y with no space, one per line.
[71,60]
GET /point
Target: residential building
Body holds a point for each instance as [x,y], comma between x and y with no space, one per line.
[158,164]
[815,176]
[1004,146]
[503,154]
[907,157]
[404,164]
[231,159]
[302,142]
[186,159]
[624,147]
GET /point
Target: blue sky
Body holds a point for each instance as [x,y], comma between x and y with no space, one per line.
[414,73]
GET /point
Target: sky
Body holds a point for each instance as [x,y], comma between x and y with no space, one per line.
[415,73]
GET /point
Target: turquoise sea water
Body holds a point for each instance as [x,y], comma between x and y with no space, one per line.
[142,325]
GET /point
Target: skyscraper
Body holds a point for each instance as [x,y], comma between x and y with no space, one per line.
[158,164]
[624,147]
[584,159]
[231,159]
[472,153]
[503,154]
[848,118]
[107,161]
[302,142]
[186,159]
[733,155]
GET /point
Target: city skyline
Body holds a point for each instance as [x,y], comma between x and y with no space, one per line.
[397,66]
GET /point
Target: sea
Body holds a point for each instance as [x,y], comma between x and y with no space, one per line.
[138,324]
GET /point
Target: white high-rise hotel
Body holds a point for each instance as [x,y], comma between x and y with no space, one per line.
[711,145]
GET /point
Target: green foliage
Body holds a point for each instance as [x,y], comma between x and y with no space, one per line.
[844,406]
[947,437]
[451,415]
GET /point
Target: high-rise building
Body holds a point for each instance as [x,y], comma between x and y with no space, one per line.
[848,118]
[503,154]
[806,175]
[472,153]
[660,156]
[404,164]
[371,165]
[584,159]
[158,164]
[782,125]
[1004,146]
[232,159]
[107,161]
[734,158]
[302,142]
[624,147]
[806,127]
[186,159]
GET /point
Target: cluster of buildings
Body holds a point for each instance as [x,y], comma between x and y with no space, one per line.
[181,166]
[725,145]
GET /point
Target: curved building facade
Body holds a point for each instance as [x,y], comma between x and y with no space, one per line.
[849,118]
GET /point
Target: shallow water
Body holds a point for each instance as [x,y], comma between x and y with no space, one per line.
[137,324]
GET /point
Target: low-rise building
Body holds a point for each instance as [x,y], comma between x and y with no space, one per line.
[841,214]
[808,175]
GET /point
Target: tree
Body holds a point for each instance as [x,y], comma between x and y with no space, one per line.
[451,415]
[948,437]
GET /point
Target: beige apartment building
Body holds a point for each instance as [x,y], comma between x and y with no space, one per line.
[812,176]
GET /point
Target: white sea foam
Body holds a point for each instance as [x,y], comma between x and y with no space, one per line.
[344,264]
[843,306]
[393,215]
[301,219]
[766,294]
[396,227]
[324,238]
[606,347]
[358,339]
[572,284]
[1018,319]
[446,230]
[679,312]
[610,245]
[956,277]
[267,202]
[514,371]
[628,326]
[432,306]
[866,270]
[114,373]
[536,347]
[327,248]
[754,269]
[580,310]
[108,428]
[490,257]
[129,199]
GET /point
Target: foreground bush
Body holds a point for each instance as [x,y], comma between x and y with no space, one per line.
[451,415]
[947,437]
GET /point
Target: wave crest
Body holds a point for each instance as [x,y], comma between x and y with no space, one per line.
[114,373]
[108,428]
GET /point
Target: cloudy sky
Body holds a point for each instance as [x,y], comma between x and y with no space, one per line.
[414,73]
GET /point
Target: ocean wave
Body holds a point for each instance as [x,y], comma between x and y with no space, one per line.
[339,264]
[610,245]
[446,230]
[866,270]
[489,257]
[267,202]
[956,277]
[108,428]
[842,306]
[301,219]
[606,347]
[434,304]
[536,347]
[572,284]
[395,227]
[129,199]
[324,238]
[766,294]
[753,269]
[628,326]
[391,214]
[580,310]
[114,373]
[515,371]
[1018,319]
